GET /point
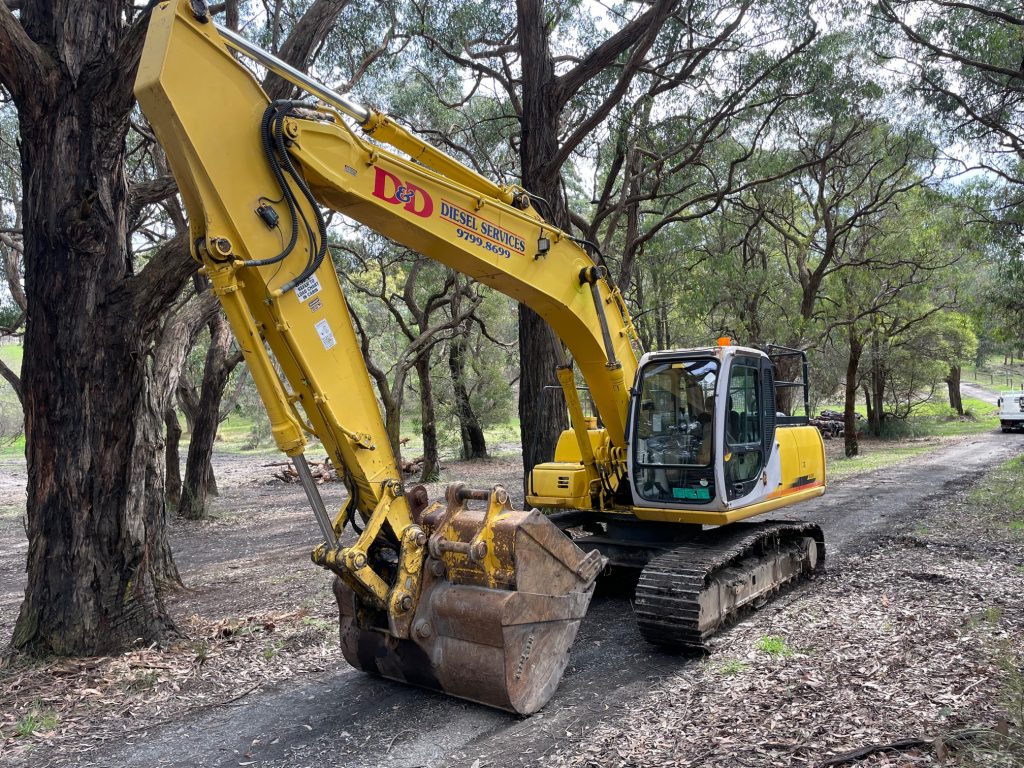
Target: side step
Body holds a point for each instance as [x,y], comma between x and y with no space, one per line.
[687,594]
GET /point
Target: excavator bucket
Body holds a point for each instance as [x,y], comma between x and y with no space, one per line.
[502,599]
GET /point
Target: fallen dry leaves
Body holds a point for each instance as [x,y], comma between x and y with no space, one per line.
[96,702]
[906,640]
[902,640]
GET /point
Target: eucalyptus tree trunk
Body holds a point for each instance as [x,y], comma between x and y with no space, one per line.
[852,446]
[543,151]
[953,387]
[97,540]
[878,395]
[474,446]
[172,456]
[542,411]
[869,404]
[199,477]
[98,549]
[431,469]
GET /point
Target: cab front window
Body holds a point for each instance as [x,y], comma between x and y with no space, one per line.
[674,435]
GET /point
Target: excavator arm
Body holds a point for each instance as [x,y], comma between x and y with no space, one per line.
[252,174]
[210,115]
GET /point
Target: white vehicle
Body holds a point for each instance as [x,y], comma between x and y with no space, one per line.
[1011,410]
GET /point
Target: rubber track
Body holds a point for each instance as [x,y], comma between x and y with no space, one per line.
[666,605]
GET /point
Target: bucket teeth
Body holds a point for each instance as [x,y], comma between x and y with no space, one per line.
[496,632]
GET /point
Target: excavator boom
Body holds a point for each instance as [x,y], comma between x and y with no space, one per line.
[482,603]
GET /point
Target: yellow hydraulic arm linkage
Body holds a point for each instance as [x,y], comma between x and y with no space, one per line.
[482,604]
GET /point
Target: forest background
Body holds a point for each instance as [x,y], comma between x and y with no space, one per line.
[840,178]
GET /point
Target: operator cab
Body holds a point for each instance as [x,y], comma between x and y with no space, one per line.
[702,428]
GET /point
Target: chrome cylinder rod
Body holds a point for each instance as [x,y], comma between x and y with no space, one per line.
[315,501]
[294,76]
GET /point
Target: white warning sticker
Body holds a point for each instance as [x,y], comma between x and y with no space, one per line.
[326,334]
[308,287]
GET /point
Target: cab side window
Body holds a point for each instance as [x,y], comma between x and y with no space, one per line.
[743,427]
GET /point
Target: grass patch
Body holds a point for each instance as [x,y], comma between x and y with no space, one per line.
[934,418]
[13,449]
[732,667]
[143,681]
[991,616]
[11,443]
[35,721]
[235,435]
[12,355]
[774,645]
[272,651]
[8,511]
[1000,496]
[995,375]
[322,625]
[876,454]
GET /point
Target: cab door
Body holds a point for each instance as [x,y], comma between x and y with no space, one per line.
[746,412]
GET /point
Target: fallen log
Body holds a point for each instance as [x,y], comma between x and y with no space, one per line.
[322,472]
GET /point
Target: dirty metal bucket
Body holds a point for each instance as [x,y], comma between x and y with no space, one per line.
[495,628]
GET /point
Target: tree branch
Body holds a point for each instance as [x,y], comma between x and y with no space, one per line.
[154,287]
[24,68]
[306,36]
[647,24]
[149,192]
[11,273]
[915,37]
[13,380]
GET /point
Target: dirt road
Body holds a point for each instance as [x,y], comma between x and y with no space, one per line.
[353,720]
[979,392]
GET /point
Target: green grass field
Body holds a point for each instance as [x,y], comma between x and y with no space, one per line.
[996,375]
[936,419]
[12,355]
[920,433]
[876,454]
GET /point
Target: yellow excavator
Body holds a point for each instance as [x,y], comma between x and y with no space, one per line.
[467,595]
